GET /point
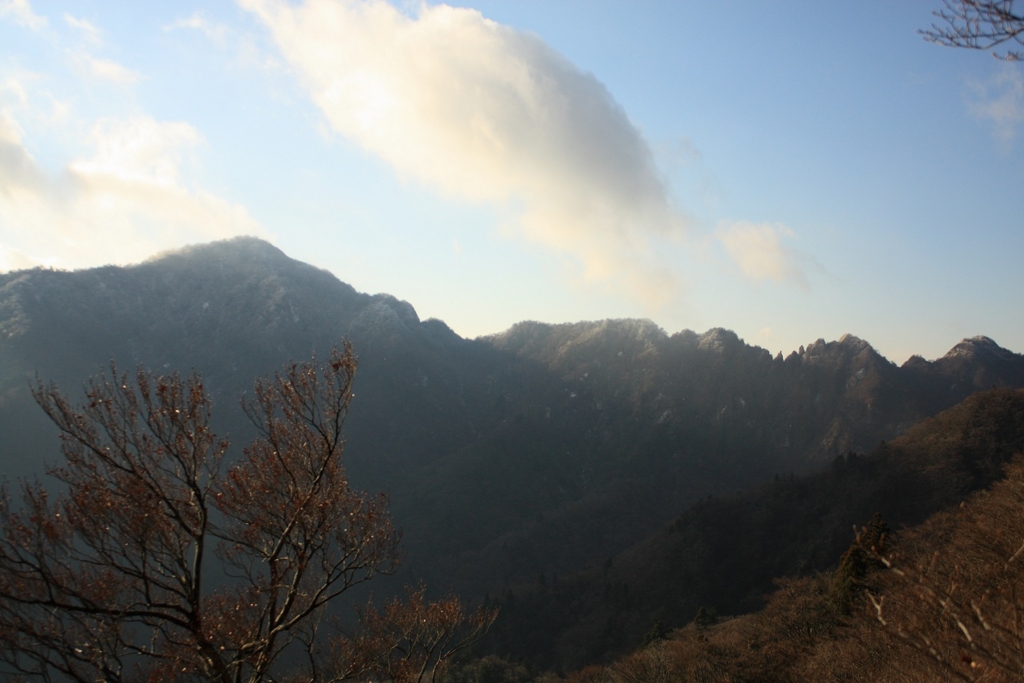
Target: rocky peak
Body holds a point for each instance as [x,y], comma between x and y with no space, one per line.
[853,343]
[717,339]
[976,347]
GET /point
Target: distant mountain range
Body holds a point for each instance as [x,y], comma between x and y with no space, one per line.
[543,449]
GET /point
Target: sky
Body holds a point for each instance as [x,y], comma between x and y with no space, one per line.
[787,170]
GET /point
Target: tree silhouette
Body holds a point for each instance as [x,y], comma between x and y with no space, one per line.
[859,560]
[978,24]
[160,561]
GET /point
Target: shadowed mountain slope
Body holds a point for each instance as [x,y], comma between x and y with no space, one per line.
[544,448]
[950,607]
[724,552]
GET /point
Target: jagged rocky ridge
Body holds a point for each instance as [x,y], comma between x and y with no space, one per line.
[544,448]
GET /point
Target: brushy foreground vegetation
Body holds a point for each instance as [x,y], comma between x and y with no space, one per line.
[943,601]
[724,553]
[940,599]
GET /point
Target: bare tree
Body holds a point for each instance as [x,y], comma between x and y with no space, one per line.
[978,24]
[957,594]
[410,640]
[113,579]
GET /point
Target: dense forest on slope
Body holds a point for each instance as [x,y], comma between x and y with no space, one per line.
[724,553]
[542,450]
[951,606]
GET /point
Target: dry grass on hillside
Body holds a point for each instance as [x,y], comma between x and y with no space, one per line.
[951,605]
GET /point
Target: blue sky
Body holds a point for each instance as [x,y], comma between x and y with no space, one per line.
[788,170]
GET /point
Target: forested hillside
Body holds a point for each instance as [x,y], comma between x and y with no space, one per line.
[723,553]
[939,601]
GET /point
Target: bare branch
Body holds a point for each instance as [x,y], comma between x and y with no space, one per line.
[107,581]
[978,25]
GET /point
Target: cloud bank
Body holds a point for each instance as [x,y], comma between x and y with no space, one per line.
[121,205]
[758,249]
[121,201]
[485,113]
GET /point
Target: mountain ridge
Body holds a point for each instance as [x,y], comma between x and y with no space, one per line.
[259,252]
[542,448]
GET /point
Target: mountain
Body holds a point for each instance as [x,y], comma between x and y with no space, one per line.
[546,448]
[724,553]
[948,609]
[233,310]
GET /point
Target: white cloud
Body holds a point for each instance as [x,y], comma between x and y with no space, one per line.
[87,28]
[1001,101]
[121,205]
[246,49]
[20,12]
[12,259]
[18,170]
[140,151]
[109,70]
[482,112]
[82,58]
[216,32]
[758,249]
[42,107]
